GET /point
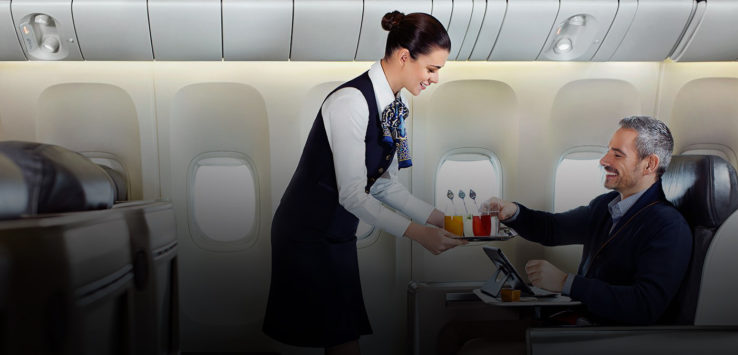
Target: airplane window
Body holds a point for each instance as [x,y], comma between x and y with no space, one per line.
[466,171]
[579,178]
[223,199]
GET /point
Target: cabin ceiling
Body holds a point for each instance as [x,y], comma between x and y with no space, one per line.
[347,30]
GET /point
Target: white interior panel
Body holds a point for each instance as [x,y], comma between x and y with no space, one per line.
[713,306]
[60,31]
[525,29]
[326,29]
[459,114]
[442,11]
[10,48]
[113,29]
[185,29]
[655,30]
[257,29]
[623,18]
[68,113]
[493,16]
[373,37]
[714,35]
[459,24]
[579,29]
[475,24]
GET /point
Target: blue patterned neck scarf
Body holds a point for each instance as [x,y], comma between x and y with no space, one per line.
[393,129]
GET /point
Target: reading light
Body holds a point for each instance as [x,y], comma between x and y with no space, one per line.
[577,20]
[563,46]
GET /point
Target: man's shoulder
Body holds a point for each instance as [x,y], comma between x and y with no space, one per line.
[665,215]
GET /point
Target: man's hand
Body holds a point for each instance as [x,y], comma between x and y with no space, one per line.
[506,208]
[543,274]
[434,239]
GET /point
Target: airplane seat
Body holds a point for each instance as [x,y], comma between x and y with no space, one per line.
[13,190]
[58,179]
[67,284]
[704,188]
[156,299]
[119,181]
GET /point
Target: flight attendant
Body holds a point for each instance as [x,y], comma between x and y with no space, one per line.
[348,168]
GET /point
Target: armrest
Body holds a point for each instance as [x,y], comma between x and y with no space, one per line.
[633,340]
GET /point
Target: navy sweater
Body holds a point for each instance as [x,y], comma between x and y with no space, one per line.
[635,276]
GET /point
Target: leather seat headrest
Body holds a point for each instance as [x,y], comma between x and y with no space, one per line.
[58,179]
[13,190]
[704,188]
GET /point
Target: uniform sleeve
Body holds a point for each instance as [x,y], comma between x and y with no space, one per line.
[389,190]
[345,115]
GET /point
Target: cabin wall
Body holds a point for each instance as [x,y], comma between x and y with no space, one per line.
[157,118]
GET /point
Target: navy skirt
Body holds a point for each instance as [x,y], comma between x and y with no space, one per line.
[315,296]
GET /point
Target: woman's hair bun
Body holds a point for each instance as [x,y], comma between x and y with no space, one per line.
[391,20]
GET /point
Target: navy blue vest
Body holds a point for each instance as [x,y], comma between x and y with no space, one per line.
[311,198]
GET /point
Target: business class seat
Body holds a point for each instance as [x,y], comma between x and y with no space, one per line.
[705,190]
[83,282]
[13,189]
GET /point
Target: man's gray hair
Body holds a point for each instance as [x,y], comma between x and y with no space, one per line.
[653,138]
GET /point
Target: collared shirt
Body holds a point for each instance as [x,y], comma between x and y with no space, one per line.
[618,208]
[345,116]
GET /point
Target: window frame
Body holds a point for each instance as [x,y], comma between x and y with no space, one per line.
[582,149]
[496,166]
[201,238]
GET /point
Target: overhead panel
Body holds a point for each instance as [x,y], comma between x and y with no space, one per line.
[712,34]
[623,18]
[442,11]
[326,29]
[185,29]
[257,29]
[10,48]
[113,29]
[373,37]
[459,24]
[46,29]
[475,24]
[652,34]
[524,29]
[579,29]
[493,16]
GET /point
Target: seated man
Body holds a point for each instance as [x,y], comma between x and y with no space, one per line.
[637,246]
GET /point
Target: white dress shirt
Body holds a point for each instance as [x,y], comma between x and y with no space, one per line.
[345,116]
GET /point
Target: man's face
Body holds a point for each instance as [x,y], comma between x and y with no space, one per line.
[624,170]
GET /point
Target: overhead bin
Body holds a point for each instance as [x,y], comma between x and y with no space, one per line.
[472,32]
[579,29]
[257,29]
[442,11]
[326,29]
[645,30]
[113,29]
[373,37]
[185,29]
[524,29]
[46,29]
[712,34]
[10,48]
[458,25]
[493,15]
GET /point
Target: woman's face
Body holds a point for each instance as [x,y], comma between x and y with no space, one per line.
[420,73]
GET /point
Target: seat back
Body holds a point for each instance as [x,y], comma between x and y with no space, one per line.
[704,188]
[58,179]
[13,190]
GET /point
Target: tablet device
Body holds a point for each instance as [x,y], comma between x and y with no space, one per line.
[507,275]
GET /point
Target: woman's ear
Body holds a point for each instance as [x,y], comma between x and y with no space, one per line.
[403,55]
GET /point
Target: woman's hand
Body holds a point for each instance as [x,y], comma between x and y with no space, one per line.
[436,218]
[435,240]
[503,209]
